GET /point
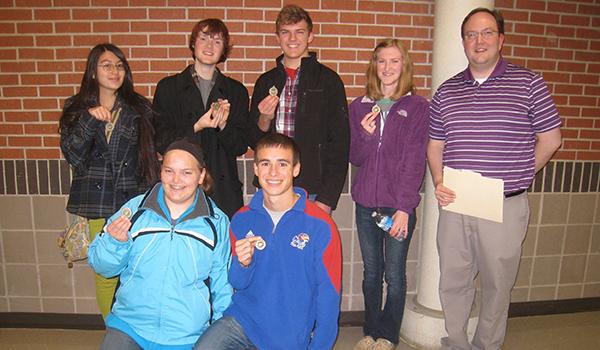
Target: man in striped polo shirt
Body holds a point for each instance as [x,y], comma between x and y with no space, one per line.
[499,120]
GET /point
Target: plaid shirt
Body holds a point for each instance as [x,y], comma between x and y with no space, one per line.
[286,114]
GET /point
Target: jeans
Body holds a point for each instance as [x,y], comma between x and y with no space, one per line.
[117,340]
[382,256]
[225,334]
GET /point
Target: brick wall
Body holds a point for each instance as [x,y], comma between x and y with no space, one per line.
[44,43]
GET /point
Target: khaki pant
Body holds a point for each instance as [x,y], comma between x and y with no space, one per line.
[469,246]
[105,287]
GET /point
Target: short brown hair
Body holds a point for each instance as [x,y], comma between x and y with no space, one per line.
[494,13]
[212,26]
[292,14]
[405,84]
[277,140]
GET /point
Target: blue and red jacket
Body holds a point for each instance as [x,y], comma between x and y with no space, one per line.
[292,287]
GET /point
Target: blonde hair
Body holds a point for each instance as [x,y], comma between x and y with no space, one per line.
[405,84]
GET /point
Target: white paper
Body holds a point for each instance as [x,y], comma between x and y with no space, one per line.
[476,195]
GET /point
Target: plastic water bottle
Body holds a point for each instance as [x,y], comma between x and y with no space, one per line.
[385,223]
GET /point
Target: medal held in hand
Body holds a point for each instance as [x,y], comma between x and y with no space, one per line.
[260,244]
[376,109]
[273,91]
[126,212]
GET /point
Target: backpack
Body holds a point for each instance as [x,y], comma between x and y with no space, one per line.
[74,241]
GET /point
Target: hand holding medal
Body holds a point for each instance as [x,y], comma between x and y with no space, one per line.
[215,117]
[268,105]
[220,112]
[368,122]
[119,228]
[244,248]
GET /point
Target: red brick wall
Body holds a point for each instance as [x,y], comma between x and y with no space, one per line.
[44,43]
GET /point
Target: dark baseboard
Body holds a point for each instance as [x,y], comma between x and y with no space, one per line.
[50,320]
[521,309]
[351,318]
[347,318]
[551,307]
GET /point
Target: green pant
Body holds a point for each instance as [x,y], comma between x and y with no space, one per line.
[105,287]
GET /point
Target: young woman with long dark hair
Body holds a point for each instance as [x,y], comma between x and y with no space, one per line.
[107,137]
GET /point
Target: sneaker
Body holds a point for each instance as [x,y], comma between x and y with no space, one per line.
[366,343]
[383,344]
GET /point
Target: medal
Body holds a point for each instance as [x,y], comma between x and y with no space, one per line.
[260,244]
[110,126]
[215,106]
[376,109]
[273,91]
[126,212]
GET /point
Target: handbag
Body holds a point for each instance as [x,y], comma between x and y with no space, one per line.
[74,241]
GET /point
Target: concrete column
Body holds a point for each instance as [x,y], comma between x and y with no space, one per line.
[423,323]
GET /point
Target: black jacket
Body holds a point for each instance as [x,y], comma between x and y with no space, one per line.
[321,127]
[102,183]
[178,103]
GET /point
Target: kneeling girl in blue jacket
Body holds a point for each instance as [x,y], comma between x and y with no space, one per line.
[171,249]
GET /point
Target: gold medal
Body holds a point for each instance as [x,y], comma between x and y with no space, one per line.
[260,244]
[110,126]
[215,106]
[376,109]
[126,212]
[273,91]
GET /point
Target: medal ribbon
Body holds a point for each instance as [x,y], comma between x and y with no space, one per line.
[110,126]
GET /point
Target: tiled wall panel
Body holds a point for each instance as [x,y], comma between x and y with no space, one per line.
[561,252]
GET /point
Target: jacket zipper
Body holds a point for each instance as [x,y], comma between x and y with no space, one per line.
[379,142]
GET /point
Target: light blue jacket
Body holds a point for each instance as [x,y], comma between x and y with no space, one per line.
[165,295]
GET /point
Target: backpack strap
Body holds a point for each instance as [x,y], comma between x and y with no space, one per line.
[137,215]
[211,224]
[211,210]
[140,210]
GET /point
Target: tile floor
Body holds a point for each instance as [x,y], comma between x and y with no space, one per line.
[580,331]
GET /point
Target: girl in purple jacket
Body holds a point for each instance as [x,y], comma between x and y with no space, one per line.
[389,132]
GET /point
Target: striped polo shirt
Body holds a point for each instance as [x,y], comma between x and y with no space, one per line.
[490,128]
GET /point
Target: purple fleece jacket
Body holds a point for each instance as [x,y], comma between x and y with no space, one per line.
[390,166]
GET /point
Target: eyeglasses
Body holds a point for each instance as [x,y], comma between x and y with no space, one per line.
[109,67]
[486,34]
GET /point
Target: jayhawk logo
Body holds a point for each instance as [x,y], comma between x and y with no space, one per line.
[300,240]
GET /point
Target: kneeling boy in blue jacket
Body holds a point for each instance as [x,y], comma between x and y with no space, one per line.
[286,267]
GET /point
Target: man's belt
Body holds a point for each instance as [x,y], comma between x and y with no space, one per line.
[512,194]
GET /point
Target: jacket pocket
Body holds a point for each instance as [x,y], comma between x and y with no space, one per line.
[311,101]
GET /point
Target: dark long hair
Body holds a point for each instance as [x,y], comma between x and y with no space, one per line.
[87,97]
